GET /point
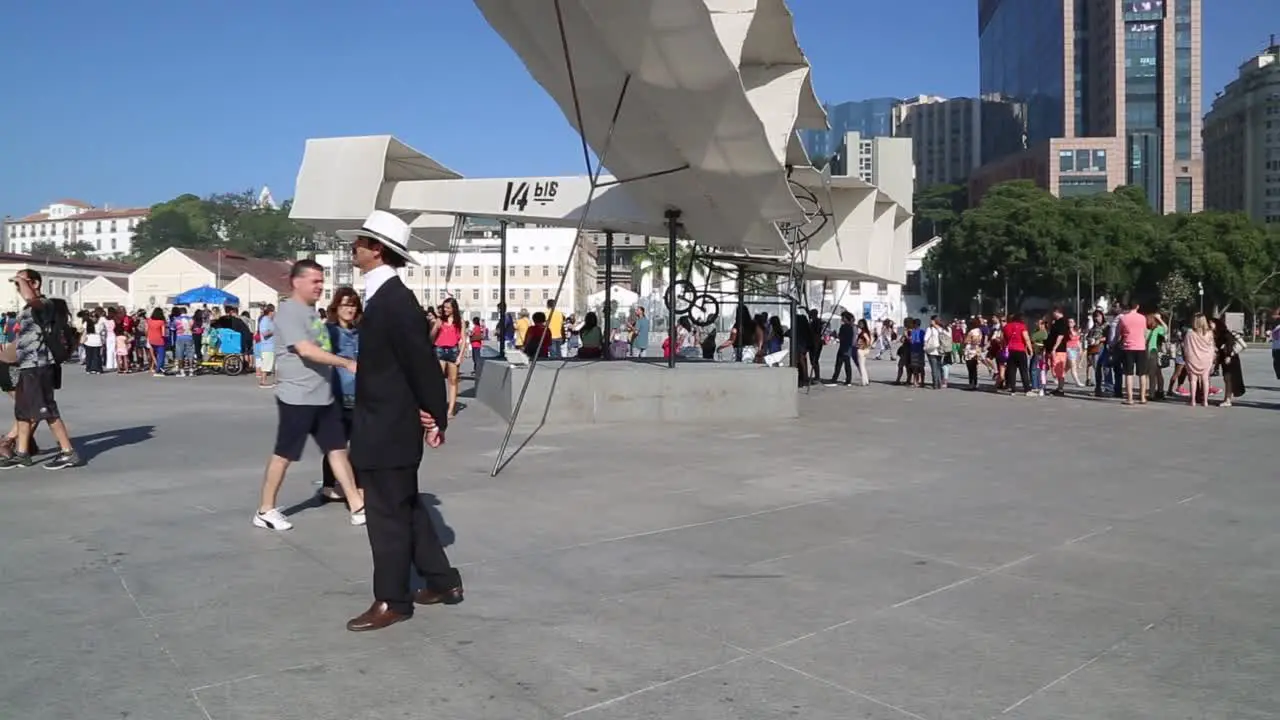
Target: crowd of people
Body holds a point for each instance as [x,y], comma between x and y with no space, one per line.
[1124,354]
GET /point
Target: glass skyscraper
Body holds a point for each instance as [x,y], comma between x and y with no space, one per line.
[872,118]
[1115,78]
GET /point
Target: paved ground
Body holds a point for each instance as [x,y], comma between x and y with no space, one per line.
[895,554]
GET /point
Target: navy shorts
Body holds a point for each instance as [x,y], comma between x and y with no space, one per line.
[322,422]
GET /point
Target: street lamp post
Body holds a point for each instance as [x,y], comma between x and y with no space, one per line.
[1200,287]
[939,293]
[1077,312]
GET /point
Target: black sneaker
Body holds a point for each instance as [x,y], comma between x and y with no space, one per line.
[16,460]
[63,460]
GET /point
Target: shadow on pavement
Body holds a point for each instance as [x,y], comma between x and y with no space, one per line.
[95,444]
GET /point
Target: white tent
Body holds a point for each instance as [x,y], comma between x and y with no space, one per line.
[707,96]
[620,295]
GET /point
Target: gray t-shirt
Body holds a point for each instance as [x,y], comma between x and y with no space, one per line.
[298,381]
[32,351]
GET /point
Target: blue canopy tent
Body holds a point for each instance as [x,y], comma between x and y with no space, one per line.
[208,295]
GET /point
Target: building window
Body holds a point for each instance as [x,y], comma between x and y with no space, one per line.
[444,294]
[511,271]
[515,249]
[443,270]
[511,294]
[97,244]
[526,293]
[475,294]
[546,271]
[1182,198]
[98,227]
[475,271]
[408,270]
[495,271]
[113,243]
[546,294]
[494,295]
[113,226]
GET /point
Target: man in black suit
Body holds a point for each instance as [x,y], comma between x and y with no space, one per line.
[400,393]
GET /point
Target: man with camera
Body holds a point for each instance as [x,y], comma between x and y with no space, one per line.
[38,352]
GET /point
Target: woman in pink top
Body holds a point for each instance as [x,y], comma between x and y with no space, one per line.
[447,336]
[1073,350]
[1198,354]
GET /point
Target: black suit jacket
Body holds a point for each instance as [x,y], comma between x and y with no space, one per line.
[397,374]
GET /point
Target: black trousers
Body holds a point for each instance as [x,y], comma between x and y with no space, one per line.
[972,366]
[401,535]
[1017,364]
[815,354]
[843,362]
[327,472]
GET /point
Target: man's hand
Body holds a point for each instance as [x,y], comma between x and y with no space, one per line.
[434,438]
[428,422]
[350,366]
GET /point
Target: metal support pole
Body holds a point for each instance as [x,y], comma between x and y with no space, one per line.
[1006,297]
[502,290]
[673,224]
[939,294]
[1093,287]
[1076,314]
[608,292]
[741,341]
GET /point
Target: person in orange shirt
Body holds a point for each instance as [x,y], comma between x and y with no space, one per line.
[555,323]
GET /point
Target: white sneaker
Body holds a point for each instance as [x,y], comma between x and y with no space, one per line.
[272,519]
[1031,393]
[357,518]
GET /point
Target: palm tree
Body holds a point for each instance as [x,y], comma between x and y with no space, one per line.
[652,262]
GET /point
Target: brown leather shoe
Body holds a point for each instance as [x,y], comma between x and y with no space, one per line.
[376,617]
[452,596]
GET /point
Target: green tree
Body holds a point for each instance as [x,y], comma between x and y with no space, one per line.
[45,249]
[78,250]
[228,220]
[937,209]
[1014,236]
[1227,252]
[181,222]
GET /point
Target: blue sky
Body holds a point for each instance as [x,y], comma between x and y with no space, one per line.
[135,101]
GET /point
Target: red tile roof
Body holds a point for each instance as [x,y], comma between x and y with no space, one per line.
[73,203]
[36,262]
[90,214]
[274,273]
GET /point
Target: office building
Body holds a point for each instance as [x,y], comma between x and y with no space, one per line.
[946,138]
[1104,94]
[1242,141]
[869,118]
[107,232]
[885,162]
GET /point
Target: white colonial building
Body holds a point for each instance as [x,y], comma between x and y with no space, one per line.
[537,258]
[107,232]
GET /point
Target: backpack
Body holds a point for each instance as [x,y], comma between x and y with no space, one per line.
[58,334]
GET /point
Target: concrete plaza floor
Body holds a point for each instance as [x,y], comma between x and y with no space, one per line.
[893,554]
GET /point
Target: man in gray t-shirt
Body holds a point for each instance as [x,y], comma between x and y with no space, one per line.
[304,397]
[300,381]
